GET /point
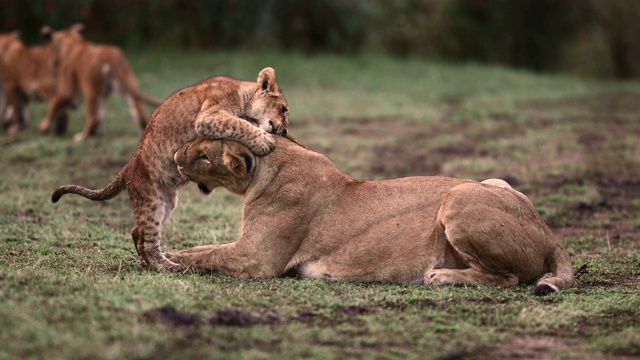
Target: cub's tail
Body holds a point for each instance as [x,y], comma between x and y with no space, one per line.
[109,192]
[561,276]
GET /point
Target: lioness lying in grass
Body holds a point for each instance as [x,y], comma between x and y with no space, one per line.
[301,214]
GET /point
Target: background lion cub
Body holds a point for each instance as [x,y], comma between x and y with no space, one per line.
[211,108]
[26,73]
[93,71]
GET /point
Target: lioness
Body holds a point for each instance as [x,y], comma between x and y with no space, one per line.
[27,73]
[301,214]
[93,70]
[210,108]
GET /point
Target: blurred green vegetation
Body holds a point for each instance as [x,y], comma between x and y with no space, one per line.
[590,37]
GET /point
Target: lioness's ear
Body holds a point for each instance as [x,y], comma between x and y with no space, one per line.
[267,80]
[16,34]
[238,159]
[77,27]
[46,32]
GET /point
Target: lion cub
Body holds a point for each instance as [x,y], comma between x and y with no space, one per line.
[211,108]
[26,73]
[93,71]
[302,215]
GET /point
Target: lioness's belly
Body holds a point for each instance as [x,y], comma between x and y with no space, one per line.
[376,231]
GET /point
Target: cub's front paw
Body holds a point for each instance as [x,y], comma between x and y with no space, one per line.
[263,145]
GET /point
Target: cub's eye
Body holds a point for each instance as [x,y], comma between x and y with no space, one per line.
[285,110]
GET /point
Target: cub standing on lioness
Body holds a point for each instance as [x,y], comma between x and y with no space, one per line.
[93,70]
[211,108]
[26,73]
[303,215]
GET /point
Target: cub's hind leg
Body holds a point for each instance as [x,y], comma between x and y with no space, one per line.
[94,108]
[152,206]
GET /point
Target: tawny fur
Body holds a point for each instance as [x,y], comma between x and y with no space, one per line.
[28,74]
[93,71]
[211,108]
[301,214]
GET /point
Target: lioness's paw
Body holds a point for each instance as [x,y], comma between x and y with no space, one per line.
[436,278]
[168,265]
[159,261]
[175,258]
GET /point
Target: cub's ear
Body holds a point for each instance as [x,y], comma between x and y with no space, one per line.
[46,32]
[16,34]
[238,159]
[267,80]
[77,28]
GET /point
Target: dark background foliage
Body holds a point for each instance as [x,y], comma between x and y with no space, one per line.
[590,37]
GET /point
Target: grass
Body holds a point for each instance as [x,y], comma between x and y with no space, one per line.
[71,286]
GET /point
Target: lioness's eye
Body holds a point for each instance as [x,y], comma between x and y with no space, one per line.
[284,111]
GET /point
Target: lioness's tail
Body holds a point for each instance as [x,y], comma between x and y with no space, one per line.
[109,192]
[561,274]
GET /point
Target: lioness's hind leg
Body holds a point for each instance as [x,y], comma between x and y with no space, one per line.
[469,276]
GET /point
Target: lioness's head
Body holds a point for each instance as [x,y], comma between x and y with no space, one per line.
[269,106]
[214,163]
[63,40]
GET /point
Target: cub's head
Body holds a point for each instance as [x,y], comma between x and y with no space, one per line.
[63,41]
[269,106]
[214,163]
